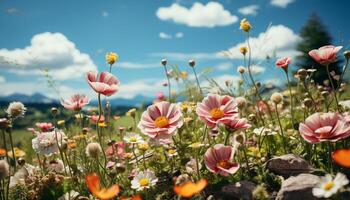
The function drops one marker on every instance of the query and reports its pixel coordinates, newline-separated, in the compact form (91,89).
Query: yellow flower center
(161,122)
(171,151)
(143,147)
(328,185)
(133,139)
(216,113)
(224,164)
(144,182)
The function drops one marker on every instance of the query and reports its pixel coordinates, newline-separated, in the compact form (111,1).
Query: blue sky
(72,37)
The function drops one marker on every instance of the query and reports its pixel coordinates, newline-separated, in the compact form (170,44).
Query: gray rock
(288,165)
(298,187)
(242,190)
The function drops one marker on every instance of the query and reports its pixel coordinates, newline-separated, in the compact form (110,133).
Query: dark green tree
(314,35)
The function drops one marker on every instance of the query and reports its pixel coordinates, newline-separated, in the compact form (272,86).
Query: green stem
(169,86)
(98,128)
(282,132)
(291,99)
(13,151)
(198,85)
(333,88)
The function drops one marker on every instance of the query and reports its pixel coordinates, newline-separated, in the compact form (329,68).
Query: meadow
(212,142)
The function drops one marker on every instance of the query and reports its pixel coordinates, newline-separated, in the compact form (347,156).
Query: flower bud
(241,69)
(347,54)
(302,74)
(307,102)
(241,102)
(192,63)
(243,50)
(276,97)
(325,94)
(245,25)
(93,150)
(164,62)
(54,111)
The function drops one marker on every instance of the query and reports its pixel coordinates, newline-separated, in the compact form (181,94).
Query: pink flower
(217,159)
(44,127)
(161,120)
(236,123)
(94,118)
(283,62)
(325,55)
(324,127)
(160,96)
(216,109)
(75,103)
(105,84)
(116,150)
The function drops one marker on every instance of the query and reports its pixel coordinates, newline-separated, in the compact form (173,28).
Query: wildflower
(325,55)
(72,144)
(4,123)
(191,166)
(131,112)
(241,69)
(276,97)
(164,61)
(4,169)
(111,58)
(283,63)
(245,25)
(133,138)
(329,186)
(93,183)
(183,74)
(93,150)
(55,165)
(18,153)
(217,159)
(144,180)
(161,120)
(243,50)
(61,122)
(171,152)
(75,103)
(189,188)
(346,54)
(117,149)
(342,157)
(46,144)
(196,145)
(160,96)
(236,124)
(105,83)
(321,127)
(54,111)
(2,152)
(16,109)
(143,146)
(135,197)
(264,131)
(241,102)
(215,109)
(44,126)
(102,124)
(94,118)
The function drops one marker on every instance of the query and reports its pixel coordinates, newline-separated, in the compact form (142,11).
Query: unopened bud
(192,63)
(164,62)
(347,54)
(307,102)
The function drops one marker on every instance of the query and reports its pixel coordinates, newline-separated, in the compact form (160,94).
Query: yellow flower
(111,58)
(243,50)
(197,145)
(60,122)
(184,74)
(102,124)
(143,146)
(245,25)
(18,153)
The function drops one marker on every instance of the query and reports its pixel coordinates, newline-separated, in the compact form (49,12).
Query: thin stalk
(169,86)
(13,151)
(333,88)
(197,164)
(5,146)
(98,128)
(133,151)
(198,85)
(282,132)
(291,99)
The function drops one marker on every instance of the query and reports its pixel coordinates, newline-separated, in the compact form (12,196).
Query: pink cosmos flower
(75,103)
(325,55)
(44,127)
(105,84)
(217,159)
(216,109)
(161,120)
(94,118)
(283,62)
(236,123)
(324,127)
(116,150)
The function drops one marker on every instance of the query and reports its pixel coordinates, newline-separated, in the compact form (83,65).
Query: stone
(288,165)
(298,187)
(242,190)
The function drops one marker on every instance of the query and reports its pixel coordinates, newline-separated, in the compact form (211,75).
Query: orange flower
(136,197)
(93,183)
(2,152)
(342,157)
(189,189)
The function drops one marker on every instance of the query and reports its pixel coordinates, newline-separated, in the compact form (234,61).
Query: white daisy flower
(16,109)
(133,138)
(328,187)
(45,143)
(144,180)
(264,131)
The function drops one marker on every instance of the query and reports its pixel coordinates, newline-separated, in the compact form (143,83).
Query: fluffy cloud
(278,40)
(224,66)
(281,3)
(178,56)
(47,50)
(257,69)
(179,35)
(249,10)
(164,35)
(199,15)
(135,65)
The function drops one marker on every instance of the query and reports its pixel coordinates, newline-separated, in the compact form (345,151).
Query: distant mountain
(40,98)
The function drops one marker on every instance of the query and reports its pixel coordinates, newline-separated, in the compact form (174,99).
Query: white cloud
(164,35)
(2,79)
(105,14)
(135,65)
(179,35)
(249,10)
(178,56)
(48,50)
(220,80)
(257,69)
(12,10)
(224,66)
(145,87)
(199,15)
(281,3)
(278,40)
